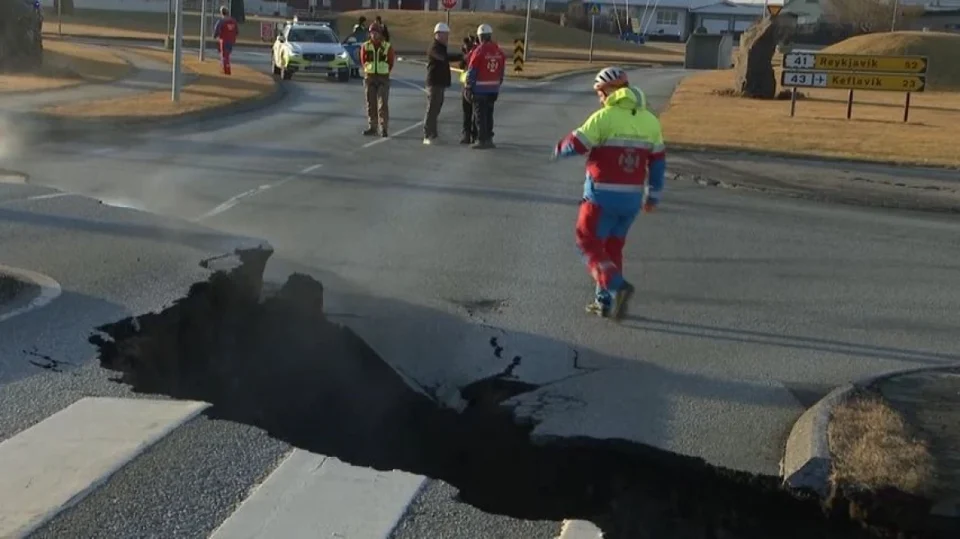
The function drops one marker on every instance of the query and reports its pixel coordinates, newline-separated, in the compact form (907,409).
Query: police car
(310,48)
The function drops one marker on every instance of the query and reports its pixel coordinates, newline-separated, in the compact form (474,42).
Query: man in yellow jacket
(377,58)
(626,164)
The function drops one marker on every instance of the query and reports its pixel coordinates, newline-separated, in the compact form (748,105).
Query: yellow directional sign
(773,10)
(890,83)
(855,62)
(518,47)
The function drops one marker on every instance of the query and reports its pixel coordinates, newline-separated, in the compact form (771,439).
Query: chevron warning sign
(518,48)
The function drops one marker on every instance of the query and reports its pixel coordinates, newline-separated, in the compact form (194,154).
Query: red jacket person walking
(226,31)
(626,163)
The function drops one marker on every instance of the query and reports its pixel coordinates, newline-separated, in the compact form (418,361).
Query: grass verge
(67,64)
(209,90)
(699,115)
(873,448)
(413,30)
(137,25)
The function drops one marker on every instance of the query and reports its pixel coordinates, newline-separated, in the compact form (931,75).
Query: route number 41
(799,61)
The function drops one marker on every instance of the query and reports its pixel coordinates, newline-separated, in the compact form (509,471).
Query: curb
(49,290)
(60,129)
(545,78)
(807,461)
(729,151)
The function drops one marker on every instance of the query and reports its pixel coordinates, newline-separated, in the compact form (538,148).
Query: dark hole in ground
(278,364)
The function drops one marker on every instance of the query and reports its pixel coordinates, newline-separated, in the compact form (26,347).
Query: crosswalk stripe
(579,529)
(57,462)
(310,496)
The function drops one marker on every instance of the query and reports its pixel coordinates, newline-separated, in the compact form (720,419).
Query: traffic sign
(853,81)
(864,63)
(592,9)
(518,49)
(773,10)
(449,4)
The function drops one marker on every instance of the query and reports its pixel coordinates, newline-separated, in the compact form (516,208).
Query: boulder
(21,41)
(753,66)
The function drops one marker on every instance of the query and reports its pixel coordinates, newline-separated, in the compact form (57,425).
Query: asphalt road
(748,306)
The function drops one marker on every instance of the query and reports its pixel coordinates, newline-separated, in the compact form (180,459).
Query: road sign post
(807,69)
(203,29)
(448,5)
(177,51)
(526,32)
(593,10)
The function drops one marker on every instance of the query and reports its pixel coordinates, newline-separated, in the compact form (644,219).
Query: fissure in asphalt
(280,365)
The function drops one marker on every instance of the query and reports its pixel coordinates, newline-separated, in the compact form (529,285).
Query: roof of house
(726,7)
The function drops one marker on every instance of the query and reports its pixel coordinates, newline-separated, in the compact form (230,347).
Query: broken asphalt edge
(807,459)
(54,128)
(46,289)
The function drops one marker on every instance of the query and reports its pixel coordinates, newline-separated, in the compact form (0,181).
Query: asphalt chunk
(279,364)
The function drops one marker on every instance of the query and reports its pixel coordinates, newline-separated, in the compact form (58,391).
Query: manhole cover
(11,176)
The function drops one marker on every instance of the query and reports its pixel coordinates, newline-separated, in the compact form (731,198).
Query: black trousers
(469,125)
(483,114)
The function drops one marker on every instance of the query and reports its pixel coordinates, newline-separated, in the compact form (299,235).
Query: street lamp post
(203,28)
(526,34)
(177,52)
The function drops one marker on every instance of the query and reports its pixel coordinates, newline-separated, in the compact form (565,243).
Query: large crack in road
(278,364)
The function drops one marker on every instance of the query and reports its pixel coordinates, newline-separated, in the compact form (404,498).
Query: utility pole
(177,52)
(166,41)
(526,34)
(203,28)
(896,9)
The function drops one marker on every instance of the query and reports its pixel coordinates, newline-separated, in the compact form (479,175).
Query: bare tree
(866,15)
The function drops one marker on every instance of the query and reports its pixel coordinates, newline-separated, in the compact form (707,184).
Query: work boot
(466,139)
(620,299)
(483,145)
(383,133)
(369,132)
(596,307)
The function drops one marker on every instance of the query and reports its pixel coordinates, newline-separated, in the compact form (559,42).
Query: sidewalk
(895,438)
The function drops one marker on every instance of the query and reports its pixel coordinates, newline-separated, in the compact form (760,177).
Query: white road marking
(310,496)
(102,151)
(234,200)
(57,462)
(49,291)
(49,195)
(402,131)
(411,84)
(579,529)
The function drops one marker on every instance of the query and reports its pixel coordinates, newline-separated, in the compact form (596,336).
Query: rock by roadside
(863,184)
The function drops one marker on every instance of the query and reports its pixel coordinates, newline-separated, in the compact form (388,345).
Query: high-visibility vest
(376,63)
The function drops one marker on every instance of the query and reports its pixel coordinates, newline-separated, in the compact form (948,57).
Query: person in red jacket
(226,31)
(485,70)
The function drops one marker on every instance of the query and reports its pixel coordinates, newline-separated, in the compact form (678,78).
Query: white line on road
(234,200)
(310,496)
(402,131)
(49,290)
(49,195)
(57,462)
(579,529)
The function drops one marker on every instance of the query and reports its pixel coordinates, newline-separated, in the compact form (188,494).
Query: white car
(310,48)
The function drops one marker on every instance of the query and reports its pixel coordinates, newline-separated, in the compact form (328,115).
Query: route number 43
(798,79)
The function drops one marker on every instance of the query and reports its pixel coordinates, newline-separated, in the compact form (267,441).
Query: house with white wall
(677,19)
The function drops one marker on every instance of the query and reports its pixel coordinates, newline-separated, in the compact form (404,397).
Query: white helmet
(610,76)
(484,30)
(441,27)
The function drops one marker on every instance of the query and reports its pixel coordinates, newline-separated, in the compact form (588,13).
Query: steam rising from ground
(10,139)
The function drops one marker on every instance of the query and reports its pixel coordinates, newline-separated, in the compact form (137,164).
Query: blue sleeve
(658,172)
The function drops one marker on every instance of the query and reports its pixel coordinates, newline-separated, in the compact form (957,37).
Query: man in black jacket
(469,133)
(438,80)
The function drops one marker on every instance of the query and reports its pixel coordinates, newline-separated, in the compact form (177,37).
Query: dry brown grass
(942,49)
(697,116)
(133,25)
(211,89)
(873,447)
(65,65)
(414,30)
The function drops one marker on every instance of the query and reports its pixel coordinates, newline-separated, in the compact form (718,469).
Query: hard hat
(484,29)
(610,77)
(441,27)
(374,28)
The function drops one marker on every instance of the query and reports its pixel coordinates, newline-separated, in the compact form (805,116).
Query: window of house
(668,18)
